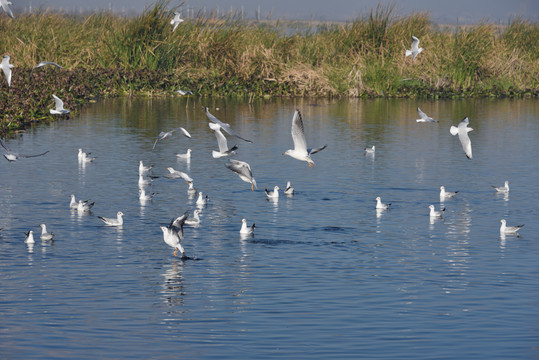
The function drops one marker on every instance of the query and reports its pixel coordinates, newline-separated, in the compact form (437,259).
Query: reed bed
(109,55)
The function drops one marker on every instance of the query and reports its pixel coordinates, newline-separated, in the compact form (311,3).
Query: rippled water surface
(325,275)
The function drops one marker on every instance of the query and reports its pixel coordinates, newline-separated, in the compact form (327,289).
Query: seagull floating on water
(504,229)
(415,50)
(247,230)
(502,189)
(300,151)
(143,169)
(435,213)
(380,205)
(226,127)
(289,190)
(446,194)
(370,150)
(144,196)
(191,189)
(165,135)
(202,200)
(59,107)
(142,181)
(5,6)
(6,67)
(29,239)
(84,206)
(462,130)
(84,158)
(173,234)
(13,156)
(243,170)
(424,117)
(195,220)
(43,63)
(221,142)
(272,194)
(118,221)
(176,20)
(45,236)
(186,156)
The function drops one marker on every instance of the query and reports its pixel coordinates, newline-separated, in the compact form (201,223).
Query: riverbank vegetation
(104,54)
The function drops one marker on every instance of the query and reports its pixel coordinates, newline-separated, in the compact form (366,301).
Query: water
(324,276)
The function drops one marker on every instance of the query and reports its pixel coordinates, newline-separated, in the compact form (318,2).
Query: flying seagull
(173,234)
(59,107)
(424,117)
(43,63)
(13,156)
(165,134)
(6,67)
(243,170)
(415,48)
(221,142)
(176,20)
(5,6)
(300,151)
(224,126)
(462,130)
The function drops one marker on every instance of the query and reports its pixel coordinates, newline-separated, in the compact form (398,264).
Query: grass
(109,55)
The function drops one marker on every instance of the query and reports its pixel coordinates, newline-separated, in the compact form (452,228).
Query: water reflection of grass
(227,56)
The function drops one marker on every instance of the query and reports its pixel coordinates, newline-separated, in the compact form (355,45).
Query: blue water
(325,275)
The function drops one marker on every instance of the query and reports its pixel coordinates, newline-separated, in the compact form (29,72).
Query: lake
(325,275)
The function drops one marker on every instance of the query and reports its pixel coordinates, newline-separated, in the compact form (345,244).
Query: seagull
(509,229)
(446,194)
(415,48)
(462,130)
(176,174)
(5,65)
(370,150)
(84,206)
(84,158)
(224,126)
(143,196)
(176,20)
(184,92)
(300,151)
(272,194)
(173,234)
(502,189)
(43,63)
(5,5)
(165,134)
(243,170)
(112,221)
(142,181)
(424,117)
(202,200)
(45,236)
(59,110)
(143,169)
(289,190)
(221,142)
(380,205)
(186,156)
(195,220)
(74,204)
(191,190)
(13,156)
(434,213)
(247,230)
(29,239)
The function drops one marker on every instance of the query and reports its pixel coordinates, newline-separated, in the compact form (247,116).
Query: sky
(441,11)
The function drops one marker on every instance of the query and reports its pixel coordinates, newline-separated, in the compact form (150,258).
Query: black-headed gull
(300,151)
(504,229)
(380,205)
(288,190)
(191,190)
(84,158)
(186,156)
(13,156)
(502,189)
(59,107)
(176,174)
(226,127)
(247,230)
(370,150)
(166,134)
(415,50)
(462,130)
(29,237)
(272,194)
(43,63)
(6,68)
(221,142)
(142,169)
(5,6)
(118,221)
(173,234)
(446,194)
(144,196)
(176,20)
(184,92)
(202,200)
(195,220)
(243,170)
(424,117)
(435,213)
(45,236)
(84,206)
